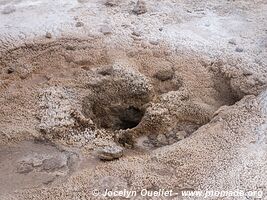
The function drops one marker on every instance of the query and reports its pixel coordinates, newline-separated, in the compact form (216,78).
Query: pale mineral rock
(140,7)
(110,152)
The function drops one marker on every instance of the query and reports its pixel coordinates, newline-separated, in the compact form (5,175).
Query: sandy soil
(180,86)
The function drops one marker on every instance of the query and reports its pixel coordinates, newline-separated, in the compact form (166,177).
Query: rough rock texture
(140,7)
(108,153)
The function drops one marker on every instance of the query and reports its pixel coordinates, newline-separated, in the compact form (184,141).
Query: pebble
(247,72)
(10,70)
(154,42)
(105,71)
(180,135)
(162,139)
(189,11)
(136,33)
(108,153)
(112,3)
(71,48)
(232,41)
(239,50)
(48,35)
(79,24)
(105,30)
(140,7)
(8,9)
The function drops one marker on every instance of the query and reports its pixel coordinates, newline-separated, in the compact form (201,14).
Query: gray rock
(154,42)
(105,71)
(8,9)
(239,50)
(79,24)
(136,33)
(180,135)
(140,7)
(246,72)
(48,35)
(162,139)
(112,3)
(232,41)
(105,30)
(109,153)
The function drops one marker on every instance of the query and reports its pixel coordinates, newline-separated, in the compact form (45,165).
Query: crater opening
(117,117)
(129,118)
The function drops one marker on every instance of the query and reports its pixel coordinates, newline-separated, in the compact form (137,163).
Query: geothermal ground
(99,97)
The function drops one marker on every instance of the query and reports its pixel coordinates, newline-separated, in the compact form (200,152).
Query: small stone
(207,24)
(162,139)
(167,53)
(154,42)
(8,9)
(189,11)
(232,41)
(140,7)
(164,74)
(247,72)
(49,180)
(24,168)
(160,29)
(105,30)
(109,153)
(136,33)
(105,71)
(180,135)
(112,3)
(10,70)
(238,49)
(79,24)
(48,35)
(71,48)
